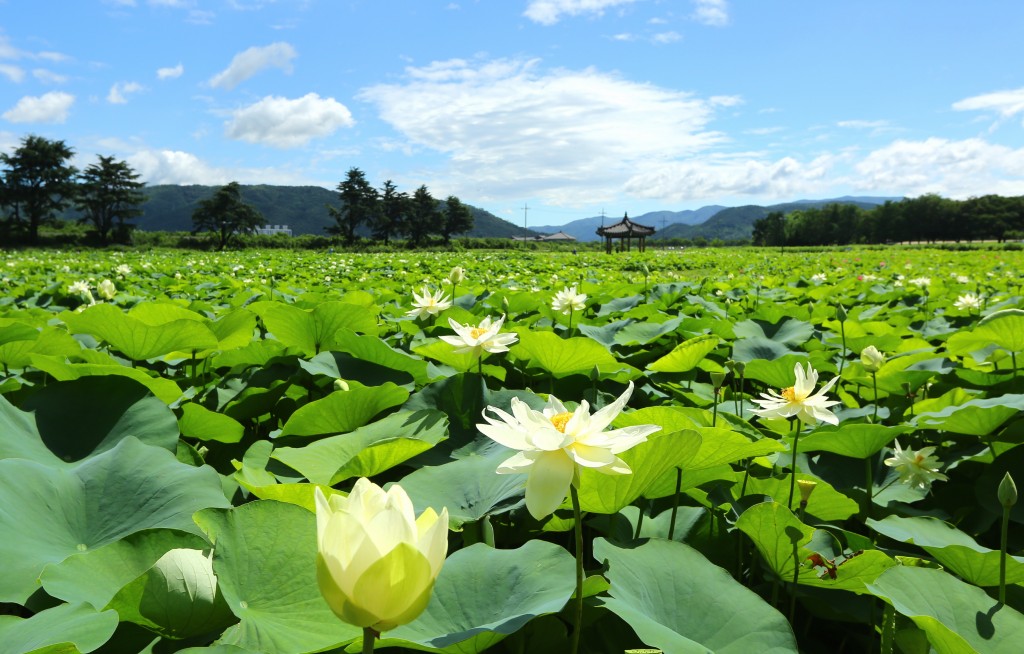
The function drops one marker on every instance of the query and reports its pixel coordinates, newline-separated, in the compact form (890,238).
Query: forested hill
(302,208)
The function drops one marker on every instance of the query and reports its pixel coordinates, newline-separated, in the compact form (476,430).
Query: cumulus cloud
(549,12)
(170,72)
(569,135)
(120,90)
(285,123)
(667,37)
(956,169)
(1005,103)
(250,62)
(711,12)
(157,166)
(52,107)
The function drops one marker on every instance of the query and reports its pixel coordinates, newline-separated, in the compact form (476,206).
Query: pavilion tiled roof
(625,227)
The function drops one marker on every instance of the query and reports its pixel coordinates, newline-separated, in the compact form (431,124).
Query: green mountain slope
(737,223)
(302,208)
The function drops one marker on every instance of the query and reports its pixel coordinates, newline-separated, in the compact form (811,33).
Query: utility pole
(526,207)
(602,216)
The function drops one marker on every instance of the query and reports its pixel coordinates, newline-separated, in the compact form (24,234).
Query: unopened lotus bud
(1007,492)
(340,385)
(840,313)
(457,275)
(806,488)
(872,359)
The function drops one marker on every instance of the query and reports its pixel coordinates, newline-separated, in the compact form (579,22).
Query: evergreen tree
(457,219)
(109,193)
(770,230)
(423,217)
(226,214)
(390,220)
(359,206)
(37,183)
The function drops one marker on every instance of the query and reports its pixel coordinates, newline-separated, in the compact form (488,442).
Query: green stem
(792,468)
(842,332)
(675,503)
(874,386)
(570,321)
(714,410)
(888,629)
(578,516)
(869,474)
(639,518)
(1002,554)
(369,635)
(796,578)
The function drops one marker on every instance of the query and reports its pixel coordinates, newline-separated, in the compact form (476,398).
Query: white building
(275,229)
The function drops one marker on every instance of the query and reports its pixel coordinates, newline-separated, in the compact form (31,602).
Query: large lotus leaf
(632,332)
(313,331)
(852,439)
(723,445)
(265,559)
(777,373)
(368,450)
(759,347)
(136,339)
(826,503)
(952,548)
(686,355)
(63,628)
(789,331)
(678,601)
(85,417)
(979,417)
(483,595)
(470,487)
(669,418)
(96,575)
(601,493)
(957,617)
(200,423)
(605,334)
(52,513)
(256,353)
(159,313)
(343,411)
(445,353)
(1004,329)
(17,341)
(563,357)
(233,330)
(774,530)
(374,350)
(178,597)
(340,365)
(165,389)
(619,304)
(854,574)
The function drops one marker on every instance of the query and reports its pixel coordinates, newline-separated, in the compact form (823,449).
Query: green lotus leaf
(63,628)
(256,353)
(619,305)
(952,548)
(601,493)
(165,389)
(669,418)
(561,357)
(788,331)
(470,487)
(774,530)
(341,365)
(777,373)
(977,417)
(760,348)
(178,597)
(200,423)
(630,332)
(826,502)
(723,445)
(374,350)
(96,576)
(445,353)
(852,439)
(52,513)
(690,604)
(159,313)
(265,561)
(483,595)
(136,339)
(368,450)
(956,617)
(1004,329)
(854,574)
(343,411)
(686,355)
(312,332)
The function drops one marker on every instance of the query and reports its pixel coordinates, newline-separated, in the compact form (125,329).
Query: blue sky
(569,107)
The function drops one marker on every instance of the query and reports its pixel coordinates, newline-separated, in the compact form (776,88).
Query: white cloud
(12,72)
(955,169)
(285,123)
(863,124)
(48,76)
(179,167)
(52,107)
(567,135)
(246,64)
(1005,103)
(667,37)
(120,90)
(549,12)
(711,12)
(170,72)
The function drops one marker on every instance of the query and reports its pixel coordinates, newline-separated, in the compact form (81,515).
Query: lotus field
(726,451)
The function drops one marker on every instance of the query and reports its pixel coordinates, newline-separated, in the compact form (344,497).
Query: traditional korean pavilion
(625,230)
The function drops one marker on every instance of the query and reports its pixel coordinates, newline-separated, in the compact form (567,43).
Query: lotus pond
(166,416)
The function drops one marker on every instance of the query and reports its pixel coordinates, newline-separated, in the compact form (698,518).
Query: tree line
(928,218)
(38,184)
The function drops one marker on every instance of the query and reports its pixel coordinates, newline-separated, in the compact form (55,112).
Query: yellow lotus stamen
(560,420)
(476,332)
(789,394)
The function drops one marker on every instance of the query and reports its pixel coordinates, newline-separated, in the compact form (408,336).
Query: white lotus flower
(797,401)
(107,289)
(919,469)
(819,277)
(376,562)
(428,304)
(81,289)
(568,300)
(483,338)
(920,281)
(968,302)
(872,359)
(555,443)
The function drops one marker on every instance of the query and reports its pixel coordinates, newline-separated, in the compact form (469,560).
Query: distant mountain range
(304,210)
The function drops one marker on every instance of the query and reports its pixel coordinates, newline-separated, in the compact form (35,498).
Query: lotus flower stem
(874,388)
(1007,495)
(368,637)
(869,485)
(578,528)
(792,467)
(639,518)
(796,578)
(675,503)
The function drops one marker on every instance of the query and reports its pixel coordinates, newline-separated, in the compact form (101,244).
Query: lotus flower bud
(340,385)
(872,359)
(806,488)
(376,562)
(106,289)
(457,275)
(840,313)
(1007,492)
